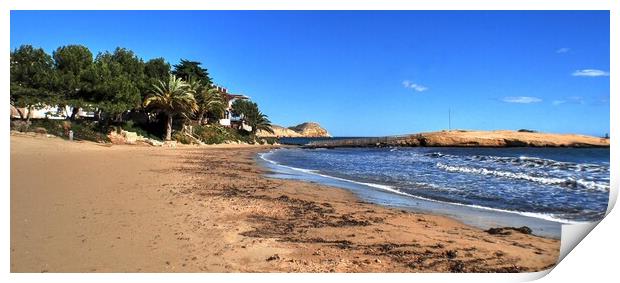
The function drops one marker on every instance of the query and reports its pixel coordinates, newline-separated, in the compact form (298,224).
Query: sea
(541,188)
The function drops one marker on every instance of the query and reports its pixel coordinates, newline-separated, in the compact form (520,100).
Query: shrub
(213,134)
(526,131)
(269,141)
(130,126)
(88,131)
(216,134)
(19,125)
(52,127)
(182,138)
(40,130)
(82,129)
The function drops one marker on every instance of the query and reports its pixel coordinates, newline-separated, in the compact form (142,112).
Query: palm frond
(173,96)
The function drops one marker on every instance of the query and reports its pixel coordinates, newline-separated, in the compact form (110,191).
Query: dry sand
(84,207)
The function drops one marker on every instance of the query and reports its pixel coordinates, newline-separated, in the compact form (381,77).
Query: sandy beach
(86,207)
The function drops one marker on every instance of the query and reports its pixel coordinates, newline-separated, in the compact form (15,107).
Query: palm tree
(210,101)
(174,97)
(252,116)
(259,121)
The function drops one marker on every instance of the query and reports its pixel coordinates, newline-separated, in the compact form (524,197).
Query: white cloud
(570,99)
(558,102)
(590,73)
(414,86)
(521,99)
(562,50)
(576,99)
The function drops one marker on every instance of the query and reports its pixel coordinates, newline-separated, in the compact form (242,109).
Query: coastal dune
(462,138)
(85,207)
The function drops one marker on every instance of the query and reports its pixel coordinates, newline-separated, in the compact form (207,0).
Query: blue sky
(369,73)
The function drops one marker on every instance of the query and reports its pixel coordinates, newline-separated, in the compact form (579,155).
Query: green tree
(251,115)
(241,107)
(258,121)
(131,66)
(73,63)
(117,80)
(192,71)
(156,70)
(172,97)
(32,79)
(211,101)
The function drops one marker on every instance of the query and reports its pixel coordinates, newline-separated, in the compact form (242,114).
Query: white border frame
(571,268)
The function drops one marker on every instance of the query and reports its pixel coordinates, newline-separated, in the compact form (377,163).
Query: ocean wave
(391,189)
(526,161)
(263,156)
(317,173)
(562,182)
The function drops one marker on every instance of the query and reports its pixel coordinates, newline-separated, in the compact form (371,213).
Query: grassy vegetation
(97,131)
(82,130)
(182,138)
(215,134)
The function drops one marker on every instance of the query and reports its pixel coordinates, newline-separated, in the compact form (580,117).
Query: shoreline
(475,216)
(212,209)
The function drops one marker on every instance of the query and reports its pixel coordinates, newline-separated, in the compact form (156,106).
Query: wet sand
(84,207)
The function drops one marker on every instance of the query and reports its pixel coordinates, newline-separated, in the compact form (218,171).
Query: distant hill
(307,130)
(310,130)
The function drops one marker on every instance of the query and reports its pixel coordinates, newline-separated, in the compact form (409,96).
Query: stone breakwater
(461,138)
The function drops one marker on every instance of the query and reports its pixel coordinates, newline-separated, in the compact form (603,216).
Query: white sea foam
(526,161)
(544,216)
(568,182)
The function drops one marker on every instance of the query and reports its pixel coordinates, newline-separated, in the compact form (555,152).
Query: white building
(229,119)
(49,112)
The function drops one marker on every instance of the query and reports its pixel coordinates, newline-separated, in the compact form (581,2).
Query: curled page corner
(613,195)
(572,235)
(540,274)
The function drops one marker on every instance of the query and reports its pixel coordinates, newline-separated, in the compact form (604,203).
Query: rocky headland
(462,138)
(305,130)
